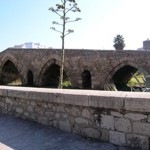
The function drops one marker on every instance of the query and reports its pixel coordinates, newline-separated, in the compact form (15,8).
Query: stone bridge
(83,68)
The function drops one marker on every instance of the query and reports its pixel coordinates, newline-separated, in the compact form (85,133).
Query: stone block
(54,108)
(56,97)
(137,104)
(107,122)
(106,101)
(45,106)
(17,93)
(92,133)
(2,104)
(75,111)
(49,106)
(123,125)
(117,138)
(135,117)
(80,120)
(148,118)
(141,128)
(42,120)
(3,92)
(86,113)
(27,115)
(50,114)
(64,116)
(19,110)
(104,135)
(30,108)
(57,115)
(33,103)
(138,141)
(60,108)
(39,112)
(38,96)
(65,125)
(76,99)
(78,129)
(116,114)
(9,101)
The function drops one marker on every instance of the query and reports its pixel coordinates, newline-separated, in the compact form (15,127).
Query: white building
(146,46)
(30,45)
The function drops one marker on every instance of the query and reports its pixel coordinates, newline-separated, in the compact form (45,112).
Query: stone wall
(120,118)
(101,64)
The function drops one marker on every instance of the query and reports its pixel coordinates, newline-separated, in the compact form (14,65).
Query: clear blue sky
(30,21)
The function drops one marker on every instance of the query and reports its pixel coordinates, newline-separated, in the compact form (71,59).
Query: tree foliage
(119,43)
(62,10)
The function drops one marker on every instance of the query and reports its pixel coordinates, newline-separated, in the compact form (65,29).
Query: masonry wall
(120,118)
(102,64)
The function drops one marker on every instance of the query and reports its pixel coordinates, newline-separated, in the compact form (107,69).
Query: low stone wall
(120,118)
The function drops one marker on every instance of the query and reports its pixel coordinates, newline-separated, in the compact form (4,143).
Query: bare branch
(54,10)
(59,10)
(59,6)
(77,19)
(70,9)
(57,23)
(77,9)
(68,32)
(56,30)
(71,31)
(71,1)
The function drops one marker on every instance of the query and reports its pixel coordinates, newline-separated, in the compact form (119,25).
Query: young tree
(62,10)
(119,42)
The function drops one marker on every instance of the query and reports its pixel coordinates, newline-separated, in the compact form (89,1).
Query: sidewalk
(17,134)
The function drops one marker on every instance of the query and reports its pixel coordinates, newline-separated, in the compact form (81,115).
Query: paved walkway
(17,134)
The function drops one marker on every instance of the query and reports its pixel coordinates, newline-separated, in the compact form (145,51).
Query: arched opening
(86,80)
(30,78)
(50,77)
(122,76)
(10,74)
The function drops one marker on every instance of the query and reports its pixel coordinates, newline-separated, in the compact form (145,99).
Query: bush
(66,84)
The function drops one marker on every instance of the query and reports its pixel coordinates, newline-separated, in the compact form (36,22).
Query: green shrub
(66,84)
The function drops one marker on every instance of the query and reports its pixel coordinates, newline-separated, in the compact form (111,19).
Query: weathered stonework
(123,125)
(107,122)
(117,138)
(69,111)
(32,64)
(141,128)
(134,140)
(135,117)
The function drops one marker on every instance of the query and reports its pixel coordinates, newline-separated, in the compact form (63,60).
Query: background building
(146,46)
(30,45)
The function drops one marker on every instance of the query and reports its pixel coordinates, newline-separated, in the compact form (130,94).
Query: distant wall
(120,118)
(101,65)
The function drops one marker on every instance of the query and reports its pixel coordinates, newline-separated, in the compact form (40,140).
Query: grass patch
(133,81)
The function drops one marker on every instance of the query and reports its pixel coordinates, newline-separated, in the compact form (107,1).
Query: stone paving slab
(18,134)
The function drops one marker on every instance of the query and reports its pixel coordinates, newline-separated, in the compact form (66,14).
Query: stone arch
(50,73)
(11,58)
(10,74)
(122,74)
(119,66)
(33,70)
(86,79)
(30,78)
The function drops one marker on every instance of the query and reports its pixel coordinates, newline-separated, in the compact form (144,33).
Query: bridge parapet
(121,118)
